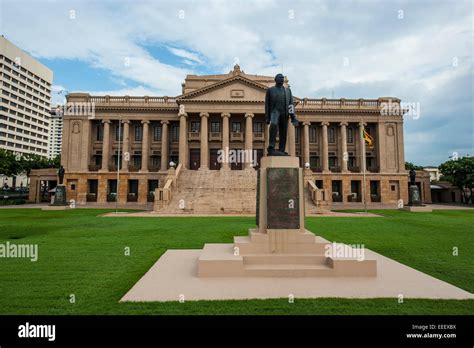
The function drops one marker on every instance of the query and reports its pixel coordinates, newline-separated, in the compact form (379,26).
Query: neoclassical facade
(226,112)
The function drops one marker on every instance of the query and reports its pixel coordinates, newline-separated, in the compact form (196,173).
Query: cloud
(353,49)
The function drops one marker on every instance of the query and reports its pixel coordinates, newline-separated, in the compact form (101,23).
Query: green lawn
(82,254)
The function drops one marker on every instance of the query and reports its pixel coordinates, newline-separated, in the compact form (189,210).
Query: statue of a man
(61,172)
(278,107)
(412,177)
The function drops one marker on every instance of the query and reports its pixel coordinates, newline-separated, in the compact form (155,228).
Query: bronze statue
(61,172)
(278,107)
(412,177)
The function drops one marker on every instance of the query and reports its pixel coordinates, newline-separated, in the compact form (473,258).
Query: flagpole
(118,164)
(363,166)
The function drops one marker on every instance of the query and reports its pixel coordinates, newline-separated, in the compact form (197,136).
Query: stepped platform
(304,255)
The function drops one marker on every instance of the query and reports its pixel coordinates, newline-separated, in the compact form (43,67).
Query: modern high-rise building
(55,132)
(25,101)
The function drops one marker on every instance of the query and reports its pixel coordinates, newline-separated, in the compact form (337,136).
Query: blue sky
(419,51)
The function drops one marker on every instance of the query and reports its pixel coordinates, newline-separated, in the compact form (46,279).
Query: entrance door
(259,158)
(236,161)
(215,164)
(394,194)
(194,159)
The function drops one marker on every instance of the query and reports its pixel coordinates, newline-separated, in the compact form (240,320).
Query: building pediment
(235,89)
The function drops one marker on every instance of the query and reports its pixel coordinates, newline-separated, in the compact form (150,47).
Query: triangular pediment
(236,88)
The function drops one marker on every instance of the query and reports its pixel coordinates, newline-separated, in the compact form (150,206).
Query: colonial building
(226,112)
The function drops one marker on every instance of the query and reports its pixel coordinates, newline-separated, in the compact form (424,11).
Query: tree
(9,164)
(460,173)
(410,166)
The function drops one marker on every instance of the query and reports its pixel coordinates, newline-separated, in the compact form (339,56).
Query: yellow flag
(369,140)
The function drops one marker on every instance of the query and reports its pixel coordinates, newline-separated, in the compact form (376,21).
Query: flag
(369,140)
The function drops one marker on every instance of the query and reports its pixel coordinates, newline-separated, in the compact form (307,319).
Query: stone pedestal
(280,246)
(60,196)
(414,196)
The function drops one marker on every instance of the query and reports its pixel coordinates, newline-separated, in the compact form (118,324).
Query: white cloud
(411,58)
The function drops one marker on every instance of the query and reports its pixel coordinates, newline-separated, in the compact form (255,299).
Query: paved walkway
(175,275)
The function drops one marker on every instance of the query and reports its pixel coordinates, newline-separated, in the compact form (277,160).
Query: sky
(419,51)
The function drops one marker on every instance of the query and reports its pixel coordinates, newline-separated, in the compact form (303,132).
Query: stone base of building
(418,208)
(55,207)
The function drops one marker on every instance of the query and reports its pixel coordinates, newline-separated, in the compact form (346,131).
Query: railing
(259,136)
(335,169)
(317,169)
(153,168)
(354,169)
(354,197)
(133,168)
(132,197)
(324,103)
(91,197)
(215,136)
(336,197)
(375,198)
(94,167)
(318,196)
(236,136)
(114,100)
(163,194)
(194,136)
(373,169)
(111,197)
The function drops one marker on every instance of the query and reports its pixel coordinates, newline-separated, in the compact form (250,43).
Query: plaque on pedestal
(414,196)
(60,196)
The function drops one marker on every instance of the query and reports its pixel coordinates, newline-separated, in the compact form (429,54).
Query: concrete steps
(282,259)
(288,270)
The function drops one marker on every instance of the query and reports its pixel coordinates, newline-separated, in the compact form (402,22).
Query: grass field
(82,254)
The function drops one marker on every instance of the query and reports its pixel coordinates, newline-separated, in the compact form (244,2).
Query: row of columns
(225,139)
(325,145)
(125,148)
(183,145)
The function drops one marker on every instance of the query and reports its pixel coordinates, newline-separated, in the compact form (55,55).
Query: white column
(164,145)
(248,139)
(306,142)
(105,146)
(126,146)
(225,140)
(183,140)
(145,146)
(290,144)
(204,141)
(344,155)
(361,146)
(325,147)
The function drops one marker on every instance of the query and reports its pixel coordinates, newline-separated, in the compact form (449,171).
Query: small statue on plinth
(61,172)
(60,191)
(414,194)
(278,107)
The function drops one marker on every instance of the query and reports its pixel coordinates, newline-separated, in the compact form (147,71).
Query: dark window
(332,161)
(117,133)
(156,161)
(195,126)
(100,132)
(137,161)
(313,162)
(215,127)
(138,132)
(258,127)
(350,135)
(332,135)
(236,127)
(312,134)
(157,133)
(175,133)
